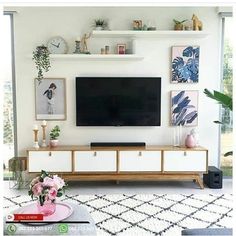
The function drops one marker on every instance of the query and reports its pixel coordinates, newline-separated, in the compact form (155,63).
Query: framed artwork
(137,25)
(121,48)
(185,64)
(184,108)
(50,99)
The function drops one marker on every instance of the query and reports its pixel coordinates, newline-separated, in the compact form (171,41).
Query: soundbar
(117,144)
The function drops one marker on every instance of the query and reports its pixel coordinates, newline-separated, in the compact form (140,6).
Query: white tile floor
(161,187)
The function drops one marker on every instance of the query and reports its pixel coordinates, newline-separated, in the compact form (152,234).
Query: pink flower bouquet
(47,187)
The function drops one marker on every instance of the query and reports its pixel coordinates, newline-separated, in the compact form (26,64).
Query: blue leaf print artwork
(185,64)
(184,108)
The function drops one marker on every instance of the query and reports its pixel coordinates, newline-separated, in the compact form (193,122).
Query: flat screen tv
(118,101)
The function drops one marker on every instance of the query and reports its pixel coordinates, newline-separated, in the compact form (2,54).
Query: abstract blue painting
(184,108)
(185,64)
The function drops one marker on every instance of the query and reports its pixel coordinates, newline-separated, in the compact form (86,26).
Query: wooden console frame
(133,176)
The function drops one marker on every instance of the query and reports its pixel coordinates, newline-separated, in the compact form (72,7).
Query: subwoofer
(213,179)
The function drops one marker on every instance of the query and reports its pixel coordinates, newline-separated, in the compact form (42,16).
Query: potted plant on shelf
(179,24)
(46,188)
(54,134)
(100,24)
(42,61)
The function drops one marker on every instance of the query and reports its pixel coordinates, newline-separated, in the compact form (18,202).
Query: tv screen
(118,101)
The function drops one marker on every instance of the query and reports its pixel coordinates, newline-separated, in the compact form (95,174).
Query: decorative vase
(190,142)
(54,143)
(99,28)
(195,135)
(179,27)
(48,207)
(177,136)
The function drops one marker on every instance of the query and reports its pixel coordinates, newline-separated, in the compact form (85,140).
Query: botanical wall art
(50,99)
(185,64)
(184,108)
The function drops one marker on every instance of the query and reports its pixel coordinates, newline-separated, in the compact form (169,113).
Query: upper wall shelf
(148,34)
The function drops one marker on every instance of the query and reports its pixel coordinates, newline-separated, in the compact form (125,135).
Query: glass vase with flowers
(46,188)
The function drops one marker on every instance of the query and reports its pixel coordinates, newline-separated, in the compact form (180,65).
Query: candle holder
(77,47)
(44,135)
(36,144)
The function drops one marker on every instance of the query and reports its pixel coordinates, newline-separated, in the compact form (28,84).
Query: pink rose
(52,193)
(37,189)
(59,182)
(48,182)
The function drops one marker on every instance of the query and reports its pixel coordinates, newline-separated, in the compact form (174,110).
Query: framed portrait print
(137,25)
(50,99)
(121,48)
(184,108)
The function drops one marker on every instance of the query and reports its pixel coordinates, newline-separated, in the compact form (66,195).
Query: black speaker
(213,179)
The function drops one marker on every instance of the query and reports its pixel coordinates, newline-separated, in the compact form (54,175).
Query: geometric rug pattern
(148,214)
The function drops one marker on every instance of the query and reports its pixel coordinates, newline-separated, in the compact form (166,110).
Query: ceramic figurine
(195,134)
(197,24)
(84,45)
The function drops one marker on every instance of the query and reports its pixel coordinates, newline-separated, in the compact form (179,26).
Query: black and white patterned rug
(151,214)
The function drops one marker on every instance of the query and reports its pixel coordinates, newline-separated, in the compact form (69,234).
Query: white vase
(54,143)
(99,28)
(195,135)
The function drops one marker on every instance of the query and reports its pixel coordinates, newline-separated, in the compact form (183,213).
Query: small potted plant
(99,24)
(46,188)
(54,134)
(179,24)
(42,61)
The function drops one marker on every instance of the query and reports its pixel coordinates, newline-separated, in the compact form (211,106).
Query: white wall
(34,26)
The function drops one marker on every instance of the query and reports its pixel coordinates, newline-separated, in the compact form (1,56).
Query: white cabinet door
(92,161)
(53,161)
(185,161)
(140,161)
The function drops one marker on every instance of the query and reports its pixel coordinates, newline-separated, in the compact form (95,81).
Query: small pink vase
(190,141)
(47,209)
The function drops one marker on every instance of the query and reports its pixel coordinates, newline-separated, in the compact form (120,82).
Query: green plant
(55,133)
(16,166)
(224,100)
(100,23)
(179,22)
(42,60)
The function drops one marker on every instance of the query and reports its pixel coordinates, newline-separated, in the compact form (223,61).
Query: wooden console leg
(199,181)
(117,181)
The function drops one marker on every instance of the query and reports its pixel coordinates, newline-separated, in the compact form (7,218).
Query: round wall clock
(57,45)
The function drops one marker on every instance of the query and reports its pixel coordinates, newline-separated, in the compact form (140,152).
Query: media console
(121,162)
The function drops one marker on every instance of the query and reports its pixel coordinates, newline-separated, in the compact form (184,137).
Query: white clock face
(57,45)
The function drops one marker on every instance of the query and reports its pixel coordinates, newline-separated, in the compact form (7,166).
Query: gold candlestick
(36,144)
(44,135)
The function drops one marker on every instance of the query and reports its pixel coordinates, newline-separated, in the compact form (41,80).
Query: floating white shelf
(149,34)
(109,57)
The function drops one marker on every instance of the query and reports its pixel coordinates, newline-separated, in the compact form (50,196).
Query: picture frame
(184,108)
(121,48)
(50,99)
(185,64)
(137,24)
